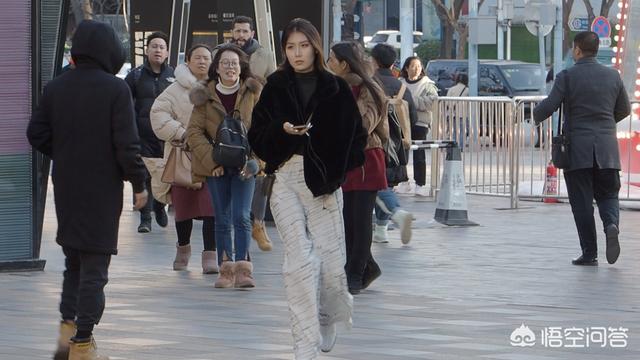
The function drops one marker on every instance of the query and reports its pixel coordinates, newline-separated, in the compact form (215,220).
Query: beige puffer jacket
(170,116)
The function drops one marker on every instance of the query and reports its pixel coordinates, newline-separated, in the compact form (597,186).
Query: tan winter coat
(207,115)
(372,120)
(261,63)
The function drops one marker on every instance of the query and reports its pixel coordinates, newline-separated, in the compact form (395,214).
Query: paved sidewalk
(453,293)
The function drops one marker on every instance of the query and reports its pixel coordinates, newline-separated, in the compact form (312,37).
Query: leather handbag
(560,144)
(177,170)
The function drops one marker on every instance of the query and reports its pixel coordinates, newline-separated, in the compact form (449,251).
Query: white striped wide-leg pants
(312,230)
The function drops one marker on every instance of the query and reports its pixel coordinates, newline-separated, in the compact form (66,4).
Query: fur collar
(202,93)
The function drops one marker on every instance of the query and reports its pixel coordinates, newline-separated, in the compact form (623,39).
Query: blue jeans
(232,201)
(386,204)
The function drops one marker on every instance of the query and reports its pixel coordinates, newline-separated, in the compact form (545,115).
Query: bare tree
(450,19)
(605,7)
(567,5)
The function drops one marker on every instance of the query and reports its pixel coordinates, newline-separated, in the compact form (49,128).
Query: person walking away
(346,60)
(387,203)
(230,89)
(308,130)
(170,115)
(85,124)
(424,93)
(594,99)
(146,82)
(261,63)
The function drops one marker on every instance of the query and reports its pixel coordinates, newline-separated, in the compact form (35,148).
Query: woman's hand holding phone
(291,129)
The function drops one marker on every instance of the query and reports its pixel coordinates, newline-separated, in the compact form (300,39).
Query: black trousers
(584,185)
(357,212)
(83,285)
(419,156)
(152,204)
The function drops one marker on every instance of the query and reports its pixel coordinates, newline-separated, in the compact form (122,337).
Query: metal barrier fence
(504,154)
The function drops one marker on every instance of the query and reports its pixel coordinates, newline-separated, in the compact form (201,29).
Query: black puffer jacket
(145,87)
(85,123)
(335,143)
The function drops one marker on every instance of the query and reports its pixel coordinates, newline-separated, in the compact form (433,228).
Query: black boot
(161,215)
(145,224)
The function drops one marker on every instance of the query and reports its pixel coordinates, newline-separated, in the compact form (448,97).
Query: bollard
(451,206)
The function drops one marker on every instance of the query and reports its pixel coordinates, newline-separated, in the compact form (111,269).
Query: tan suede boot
(209,262)
(244,275)
(85,351)
(67,330)
(226,277)
(183,253)
(259,234)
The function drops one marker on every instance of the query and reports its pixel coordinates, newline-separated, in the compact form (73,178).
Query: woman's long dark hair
(304,27)
(352,53)
(404,73)
(245,71)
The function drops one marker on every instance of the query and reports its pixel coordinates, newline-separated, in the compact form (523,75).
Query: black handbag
(560,144)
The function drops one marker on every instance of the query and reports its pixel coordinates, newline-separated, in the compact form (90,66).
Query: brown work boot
(183,253)
(226,277)
(67,330)
(209,262)
(244,275)
(85,351)
(259,234)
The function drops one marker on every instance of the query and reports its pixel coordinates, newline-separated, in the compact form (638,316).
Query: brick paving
(452,293)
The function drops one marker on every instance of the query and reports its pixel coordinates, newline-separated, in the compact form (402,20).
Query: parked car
(495,77)
(393,38)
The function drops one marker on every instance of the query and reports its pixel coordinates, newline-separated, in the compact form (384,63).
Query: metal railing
(505,154)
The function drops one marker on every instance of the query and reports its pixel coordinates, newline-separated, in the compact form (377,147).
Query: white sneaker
(422,190)
(380,234)
(404,188)
(404,220)
(329,336)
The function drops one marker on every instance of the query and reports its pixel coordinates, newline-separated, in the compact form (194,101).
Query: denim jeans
(231,197)
(386,205)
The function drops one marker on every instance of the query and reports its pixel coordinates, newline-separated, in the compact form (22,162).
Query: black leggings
(357,212)
(208,232)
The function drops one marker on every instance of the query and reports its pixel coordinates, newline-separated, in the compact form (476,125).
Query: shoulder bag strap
(400,94)
(563,124)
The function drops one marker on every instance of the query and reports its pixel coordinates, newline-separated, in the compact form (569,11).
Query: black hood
(98,43)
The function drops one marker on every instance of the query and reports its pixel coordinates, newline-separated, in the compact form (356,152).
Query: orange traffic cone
(551,184)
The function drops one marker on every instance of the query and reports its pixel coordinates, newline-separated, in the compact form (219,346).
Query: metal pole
(337,21)
(473,54)
(558,64)
(543,61)
(500,31)
(509,40)
(406,29)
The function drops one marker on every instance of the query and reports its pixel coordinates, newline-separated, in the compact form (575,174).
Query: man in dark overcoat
(595,100)
(147,82)
(85,123)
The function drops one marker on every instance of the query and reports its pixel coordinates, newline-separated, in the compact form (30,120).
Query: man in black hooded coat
(85,123)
